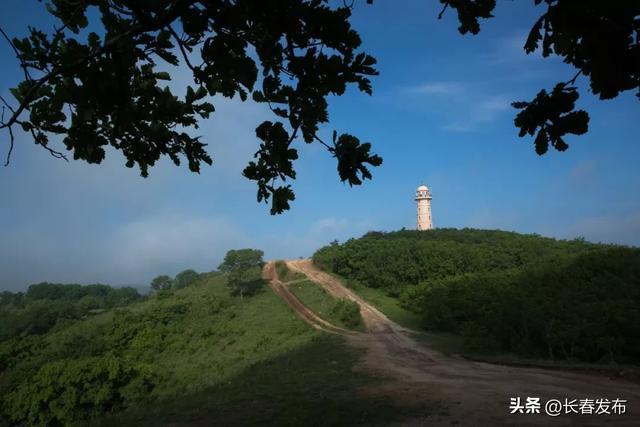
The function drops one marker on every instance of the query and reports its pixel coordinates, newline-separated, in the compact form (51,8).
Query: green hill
(194,355)
(202,355)
(504,292)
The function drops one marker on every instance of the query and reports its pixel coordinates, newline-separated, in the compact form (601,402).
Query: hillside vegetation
(340,312)
(502,291)
(285,274)
(47,305)
(192,355)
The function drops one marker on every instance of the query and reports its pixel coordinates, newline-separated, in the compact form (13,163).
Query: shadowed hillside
(195,356)
(502,291)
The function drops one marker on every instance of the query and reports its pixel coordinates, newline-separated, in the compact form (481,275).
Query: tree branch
(573,80)
(323,143)
(441,14)
(182,49)
(108,44)
(54,153)
(25,70)
(11,141)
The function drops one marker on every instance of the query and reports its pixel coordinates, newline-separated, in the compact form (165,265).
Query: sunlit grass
(216,359)
(325,305)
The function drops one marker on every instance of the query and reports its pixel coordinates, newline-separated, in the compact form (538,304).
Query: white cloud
(492,106)
(168,244)
(436,88)
(466,107)
(482,111)
(317,234)
(510,49)
(75,222)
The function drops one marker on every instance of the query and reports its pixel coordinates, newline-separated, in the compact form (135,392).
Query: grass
(311,385)
(286,275)
(267,368)
(216,360)
(326,306)
(388,305)
(453,344)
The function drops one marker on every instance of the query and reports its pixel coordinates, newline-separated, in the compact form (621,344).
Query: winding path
(471,393)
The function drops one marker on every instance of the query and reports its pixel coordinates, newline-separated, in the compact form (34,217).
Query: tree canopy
(243,269)
(185,278)
(503,291)
(161,282)
(99,79)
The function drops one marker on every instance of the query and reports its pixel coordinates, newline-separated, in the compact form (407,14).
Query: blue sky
(439,115)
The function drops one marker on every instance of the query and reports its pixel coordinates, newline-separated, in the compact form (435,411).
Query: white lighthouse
(423,197)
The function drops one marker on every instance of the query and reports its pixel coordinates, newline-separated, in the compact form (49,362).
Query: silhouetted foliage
(596,37)
(505,291)
(102,88)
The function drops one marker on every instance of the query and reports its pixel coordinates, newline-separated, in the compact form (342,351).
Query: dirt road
(472,393)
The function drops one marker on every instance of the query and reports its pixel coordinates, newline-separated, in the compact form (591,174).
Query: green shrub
(177,343)
(48,305)
(72,391)
(576,308)
(285,274)
(185,278)
(348,312)
(477,339)
(503,291)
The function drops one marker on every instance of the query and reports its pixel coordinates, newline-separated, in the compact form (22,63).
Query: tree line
(502,291)
(69,354)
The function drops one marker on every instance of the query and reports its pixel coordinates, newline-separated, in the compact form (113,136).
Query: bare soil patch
(470,393)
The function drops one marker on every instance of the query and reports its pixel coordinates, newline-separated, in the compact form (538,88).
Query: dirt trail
(282,290)
(473,393)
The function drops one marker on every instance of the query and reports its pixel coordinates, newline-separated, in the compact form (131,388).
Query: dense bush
(393,260)
(47,304)
(68,392)
(348,312)
(173,344)
(287,275)
(585,307)
(185,278)
(505,291)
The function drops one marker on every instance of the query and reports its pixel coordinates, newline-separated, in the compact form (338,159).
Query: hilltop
(298,347)
(502,291)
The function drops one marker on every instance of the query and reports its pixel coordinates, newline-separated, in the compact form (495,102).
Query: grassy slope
(388,305)
(318,300)
(219,361)
(417,267)
(452,344)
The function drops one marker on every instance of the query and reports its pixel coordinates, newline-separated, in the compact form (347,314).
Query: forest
(62,348)
(502,291)
(45,305)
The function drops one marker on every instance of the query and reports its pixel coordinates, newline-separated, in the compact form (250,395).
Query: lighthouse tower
(423,197)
